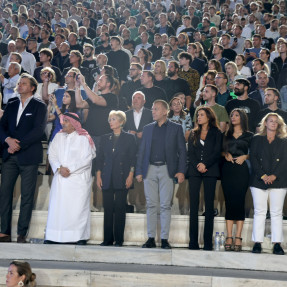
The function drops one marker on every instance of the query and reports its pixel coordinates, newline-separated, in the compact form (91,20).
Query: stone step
(97,274)
(136,226)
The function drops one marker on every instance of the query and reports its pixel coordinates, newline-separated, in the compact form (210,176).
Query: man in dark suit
(21,129)
(161,160)
(137,118)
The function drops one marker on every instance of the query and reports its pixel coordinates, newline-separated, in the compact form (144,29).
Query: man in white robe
(70,155)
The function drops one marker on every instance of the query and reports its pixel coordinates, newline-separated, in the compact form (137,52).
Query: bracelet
(263,176)
(132,169)
(59,114)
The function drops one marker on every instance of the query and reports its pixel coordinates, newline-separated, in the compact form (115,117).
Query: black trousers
(114,214)
(10,172)
(194,191)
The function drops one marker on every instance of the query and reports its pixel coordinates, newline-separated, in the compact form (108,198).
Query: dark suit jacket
(175,149)
(29,130)
(145,119)
(261,164)
(209,154)
(254,85)
(115,165)
(255,95)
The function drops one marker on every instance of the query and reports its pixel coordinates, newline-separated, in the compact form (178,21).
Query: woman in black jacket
(204,148)
(235,175)
(268,159)
(115,169)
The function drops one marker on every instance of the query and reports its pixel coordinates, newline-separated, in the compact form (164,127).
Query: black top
(264,112)
(152,94)
(230,54)
(250,106)
(157,153)
(101,49)
(238,146)
(120,60)
(128,89)
(76,47)
(92,64)
(37,73)
(97,120)
(156,52)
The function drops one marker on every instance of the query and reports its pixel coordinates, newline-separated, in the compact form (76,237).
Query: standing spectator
(83,39)
(204,148)
(45,35)
(217,55)
(73,42)
(117,153)
(268,180)
(21,137)
(235,175)
(161,158)
(144,43)
(62,59)
(156,47)
(105,47)
(281,61)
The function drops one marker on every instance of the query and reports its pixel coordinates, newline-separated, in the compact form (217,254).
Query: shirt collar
(27,100)
(141,110)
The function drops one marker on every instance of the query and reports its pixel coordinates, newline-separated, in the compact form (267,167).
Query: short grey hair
(139,92)
(16,66)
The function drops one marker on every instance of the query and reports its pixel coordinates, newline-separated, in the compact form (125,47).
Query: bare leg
(229,227)
(239,224)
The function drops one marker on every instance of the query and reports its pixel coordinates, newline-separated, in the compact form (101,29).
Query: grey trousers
(158,188)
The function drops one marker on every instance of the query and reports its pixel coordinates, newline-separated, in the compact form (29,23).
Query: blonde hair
(162,67)
(51,71)
(281,129)
(233,65)
(120,115)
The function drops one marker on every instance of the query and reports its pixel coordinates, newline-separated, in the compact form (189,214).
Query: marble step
(136,226)
(117,275)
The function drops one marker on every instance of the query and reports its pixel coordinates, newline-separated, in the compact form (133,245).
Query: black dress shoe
(257,248)
(6,238)
(118,244)
(21,239)
(82,242)
(207,248)
(193,246)
(106,243)
(277,249)
(165,244)
(50,242)
(150,243)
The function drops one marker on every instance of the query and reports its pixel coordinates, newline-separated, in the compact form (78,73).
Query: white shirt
(28,62)
(137,117)
(270,34)
(22,108)
(9,85)
(140,46)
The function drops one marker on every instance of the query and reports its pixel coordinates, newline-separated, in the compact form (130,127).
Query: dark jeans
(10,172)
(114,214)
(194,191)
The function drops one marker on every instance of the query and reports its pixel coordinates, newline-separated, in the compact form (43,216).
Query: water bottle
(222,240)
(217,242)
(36,241)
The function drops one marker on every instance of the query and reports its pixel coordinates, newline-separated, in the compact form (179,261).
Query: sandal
(238,248)
(228,247)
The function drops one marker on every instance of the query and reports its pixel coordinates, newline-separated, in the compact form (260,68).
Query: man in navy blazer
(161,160)
(21,129)
(137,118)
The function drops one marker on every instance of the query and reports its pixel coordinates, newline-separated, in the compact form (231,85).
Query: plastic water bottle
(217,242)
(222,241)
(36,241)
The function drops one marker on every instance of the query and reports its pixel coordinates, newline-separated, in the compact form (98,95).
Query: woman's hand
(99,180)
(270,179)
(229,157)
(201,167)
(129,181)
(240,159)
(53,100)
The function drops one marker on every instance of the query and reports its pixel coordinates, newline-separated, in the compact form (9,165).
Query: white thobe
(69,207)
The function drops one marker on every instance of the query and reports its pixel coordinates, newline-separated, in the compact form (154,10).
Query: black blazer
(261,164)
(145,120)
(209,154)
(29,130)
(115,163)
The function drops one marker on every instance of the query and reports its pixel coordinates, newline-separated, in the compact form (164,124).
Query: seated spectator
(243,70)
(47,74)
(232,74)
(281,61)
(61,60)
(223,95)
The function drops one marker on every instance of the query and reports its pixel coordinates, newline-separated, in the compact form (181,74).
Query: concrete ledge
(135,255)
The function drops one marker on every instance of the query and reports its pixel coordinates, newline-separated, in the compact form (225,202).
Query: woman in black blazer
(268,180)
(115,169)
(204,150)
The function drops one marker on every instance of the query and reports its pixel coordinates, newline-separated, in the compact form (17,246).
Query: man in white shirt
(144,43)
(23,28)
(10,84)
(28,60)
(273,31)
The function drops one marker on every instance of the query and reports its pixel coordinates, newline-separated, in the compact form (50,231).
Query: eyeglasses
(219,77)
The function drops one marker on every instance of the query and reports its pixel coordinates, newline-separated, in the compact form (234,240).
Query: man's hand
(81,79)
(11,151)
(2,78)
(129,181)
(180,177)
(64,171)
(139,135)
(201,168)
(139,178)
(13,144)
(132,132)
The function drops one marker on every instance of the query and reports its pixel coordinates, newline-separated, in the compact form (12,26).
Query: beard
(170,74)
(238,92)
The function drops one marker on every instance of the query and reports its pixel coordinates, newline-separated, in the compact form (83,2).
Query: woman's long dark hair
(230,131)
(72,106)
(182,113)
(212,123)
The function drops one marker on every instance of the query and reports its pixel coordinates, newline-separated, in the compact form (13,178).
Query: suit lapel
(27,109)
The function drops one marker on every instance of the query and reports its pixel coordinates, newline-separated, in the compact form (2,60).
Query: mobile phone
(235,39)
(77,77)
(247,51)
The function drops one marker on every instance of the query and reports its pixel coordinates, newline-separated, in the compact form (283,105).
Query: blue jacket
(174,147)
(115,162)
(29,130)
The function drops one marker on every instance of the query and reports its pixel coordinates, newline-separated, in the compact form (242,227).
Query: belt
(158,163)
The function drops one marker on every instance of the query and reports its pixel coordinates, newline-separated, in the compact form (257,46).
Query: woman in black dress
(235,175)
(204,149)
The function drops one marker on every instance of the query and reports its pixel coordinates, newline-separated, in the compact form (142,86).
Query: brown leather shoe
(21,239)
(6,238)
